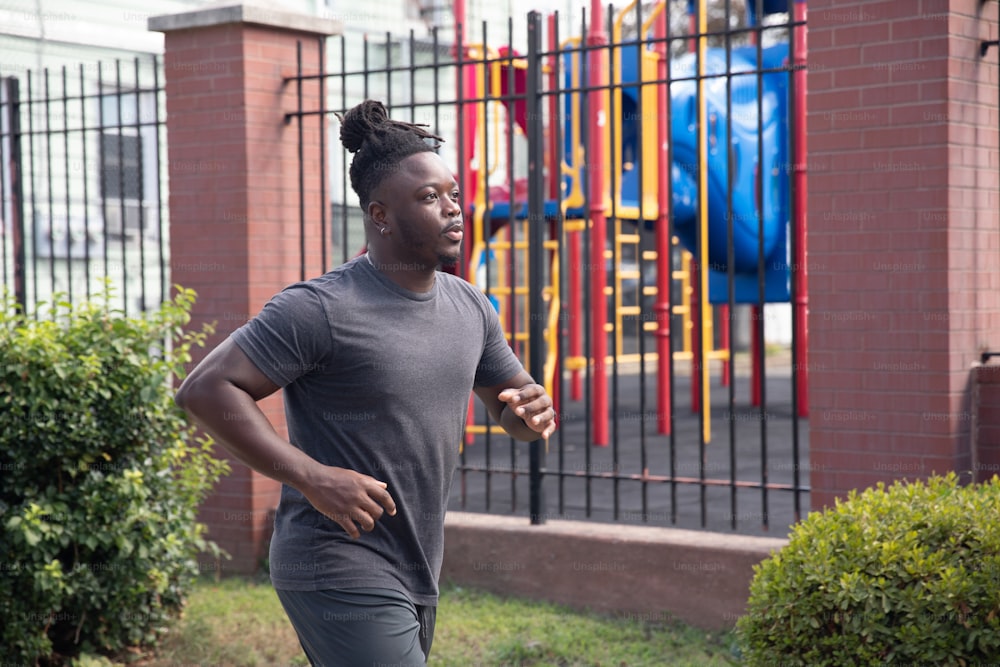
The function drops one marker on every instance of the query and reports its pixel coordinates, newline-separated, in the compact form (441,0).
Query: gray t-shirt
(376,379)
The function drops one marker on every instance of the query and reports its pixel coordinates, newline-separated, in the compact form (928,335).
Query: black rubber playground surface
(587,489)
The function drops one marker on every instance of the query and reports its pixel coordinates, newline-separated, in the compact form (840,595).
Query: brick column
(904,235)
(234,200)
(986,422)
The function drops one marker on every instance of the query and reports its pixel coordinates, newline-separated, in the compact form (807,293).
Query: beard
(423,246)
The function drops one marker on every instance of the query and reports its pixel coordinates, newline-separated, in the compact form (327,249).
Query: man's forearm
(234,419)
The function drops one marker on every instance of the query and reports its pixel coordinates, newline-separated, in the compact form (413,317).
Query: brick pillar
(234,200)
(986,429)
(904,235)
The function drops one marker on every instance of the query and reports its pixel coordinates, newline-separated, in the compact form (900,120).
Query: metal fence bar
(16,178)
(731,274)
(759,324)
(62,241)
(796,33)
(537,228)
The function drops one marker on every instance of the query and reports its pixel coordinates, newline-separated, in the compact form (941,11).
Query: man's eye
(455,195)
(431,195)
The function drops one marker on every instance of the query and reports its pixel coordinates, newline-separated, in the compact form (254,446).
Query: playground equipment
(722,175)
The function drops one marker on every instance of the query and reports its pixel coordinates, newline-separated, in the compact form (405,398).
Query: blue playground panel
(749,232)
(759,229)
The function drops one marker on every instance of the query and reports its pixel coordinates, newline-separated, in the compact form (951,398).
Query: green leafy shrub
(908,574)
(100,478)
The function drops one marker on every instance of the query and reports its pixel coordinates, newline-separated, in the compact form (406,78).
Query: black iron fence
(632,201)
(82,173)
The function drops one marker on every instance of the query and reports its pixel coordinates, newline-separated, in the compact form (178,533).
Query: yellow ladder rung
(650,326)
(630,310)
(649,255)
(625,275)
(506,245)
(628,238)
(649,290)
(502,290)
(575,363)
(482,430)
(574,225)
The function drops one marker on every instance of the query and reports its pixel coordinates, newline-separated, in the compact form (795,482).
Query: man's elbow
(184,397)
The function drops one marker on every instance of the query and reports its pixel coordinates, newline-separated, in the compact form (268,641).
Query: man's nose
(452,207)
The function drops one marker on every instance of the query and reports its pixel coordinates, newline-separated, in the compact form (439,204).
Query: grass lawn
(239,622)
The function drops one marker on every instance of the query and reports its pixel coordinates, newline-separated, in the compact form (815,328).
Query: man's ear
(377,212)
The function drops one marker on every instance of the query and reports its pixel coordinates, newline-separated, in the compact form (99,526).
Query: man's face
(421,200)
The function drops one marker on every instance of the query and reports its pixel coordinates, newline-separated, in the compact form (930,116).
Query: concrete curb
(654,574)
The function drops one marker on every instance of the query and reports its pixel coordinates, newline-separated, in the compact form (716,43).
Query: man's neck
(409,277)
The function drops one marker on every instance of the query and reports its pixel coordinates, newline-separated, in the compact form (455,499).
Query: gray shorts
(360,627)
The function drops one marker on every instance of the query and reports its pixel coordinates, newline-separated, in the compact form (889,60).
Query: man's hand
(533,406)
(349,498)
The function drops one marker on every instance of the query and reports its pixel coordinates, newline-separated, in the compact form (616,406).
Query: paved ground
(684,502)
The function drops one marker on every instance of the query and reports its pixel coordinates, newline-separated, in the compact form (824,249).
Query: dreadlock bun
(379,144)
(362,122)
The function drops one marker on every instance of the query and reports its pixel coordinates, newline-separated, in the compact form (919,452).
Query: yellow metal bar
(552,328)
(481,429)
(706,311)
(686,300)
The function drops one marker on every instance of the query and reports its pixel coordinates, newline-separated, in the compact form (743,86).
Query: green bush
(908,574)
(100,478)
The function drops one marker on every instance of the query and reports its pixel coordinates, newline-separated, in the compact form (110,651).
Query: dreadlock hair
(379,144)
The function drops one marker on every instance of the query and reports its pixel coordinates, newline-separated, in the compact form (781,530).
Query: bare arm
(520,406)
(221,395)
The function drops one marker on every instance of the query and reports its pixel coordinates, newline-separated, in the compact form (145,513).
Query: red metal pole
(756,313)
(553,171)
(575,260)
(597,76)
(664,269)
(692,31)
(799,208)
(465,181)
(465,87)
(573,277)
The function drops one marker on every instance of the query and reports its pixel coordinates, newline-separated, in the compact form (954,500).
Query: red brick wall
(903,235)
(987,422)
(234,213)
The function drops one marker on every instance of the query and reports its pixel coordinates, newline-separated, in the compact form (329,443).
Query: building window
(121,155)
(128,165)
